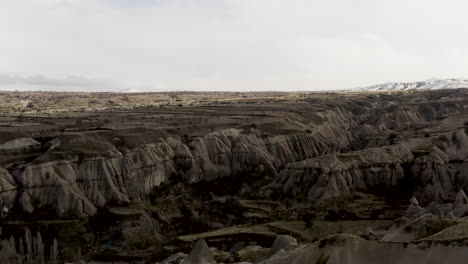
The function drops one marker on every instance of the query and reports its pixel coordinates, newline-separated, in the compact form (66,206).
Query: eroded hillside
(170,169)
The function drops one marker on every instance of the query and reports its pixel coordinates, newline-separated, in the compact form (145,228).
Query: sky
(228,45)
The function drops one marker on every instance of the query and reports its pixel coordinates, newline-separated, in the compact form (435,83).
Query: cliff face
(312,160)
(419,162)
(80,187)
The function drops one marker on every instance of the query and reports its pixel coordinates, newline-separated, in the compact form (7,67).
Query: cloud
(43,83)
(233,44)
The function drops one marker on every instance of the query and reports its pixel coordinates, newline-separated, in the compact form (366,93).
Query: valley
(261,177)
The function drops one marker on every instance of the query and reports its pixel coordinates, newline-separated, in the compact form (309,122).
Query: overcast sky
(162,45)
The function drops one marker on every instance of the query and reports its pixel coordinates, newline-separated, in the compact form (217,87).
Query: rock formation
(200,254)
(336,150)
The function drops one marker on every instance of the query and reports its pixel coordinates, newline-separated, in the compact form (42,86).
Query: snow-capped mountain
(432,84)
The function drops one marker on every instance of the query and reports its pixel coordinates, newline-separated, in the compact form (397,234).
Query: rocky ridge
(432,84)
(316,164)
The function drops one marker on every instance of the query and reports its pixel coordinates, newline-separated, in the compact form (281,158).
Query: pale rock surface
(348,249)
(283,242)
(19,144)
(460,199)
(200,254)
(176,258)
(414,201)
(8,188)
(414,209)
(460,205)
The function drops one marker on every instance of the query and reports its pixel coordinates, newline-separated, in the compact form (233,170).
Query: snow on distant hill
(433,84)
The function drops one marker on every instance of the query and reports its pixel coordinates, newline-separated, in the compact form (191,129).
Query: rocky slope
(144,185)
(436,234)
(77,174)
(434,166)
